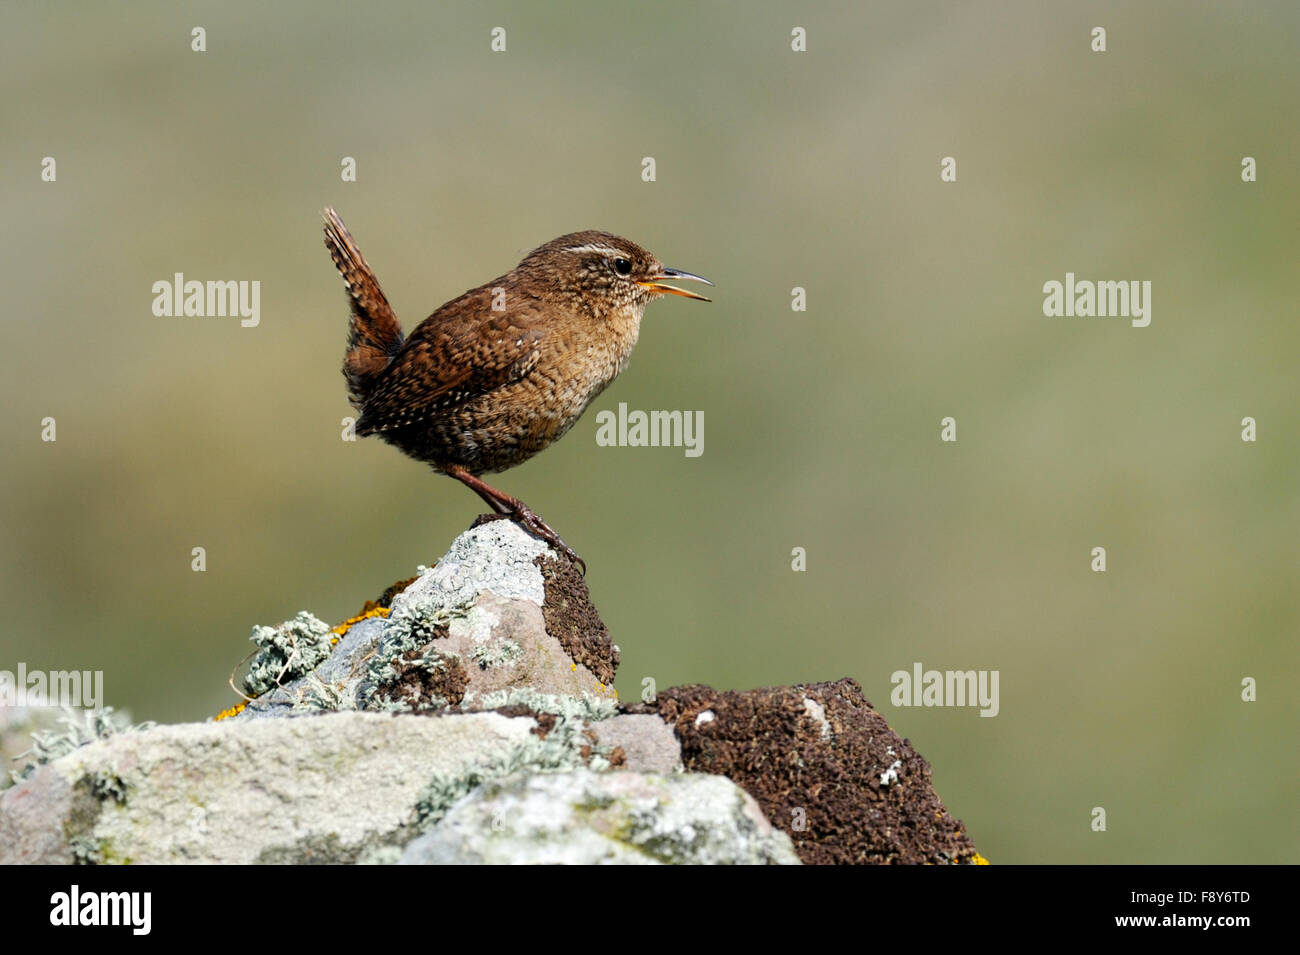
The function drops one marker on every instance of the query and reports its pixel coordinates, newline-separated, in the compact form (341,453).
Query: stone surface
(646,742)
(341,787)
(620,818)
(34,815)
(468,716)
(825,767)
(323,790)
(499,611)
(819,763)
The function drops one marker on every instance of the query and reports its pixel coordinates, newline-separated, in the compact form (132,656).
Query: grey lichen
(86,850)
(586,708)
(583,818)
(419,620)
(80,727)
(412,625)
(646,830)
(670,832)
(488,656)
(566,745)
(287,652)
(108,786)
(321,697)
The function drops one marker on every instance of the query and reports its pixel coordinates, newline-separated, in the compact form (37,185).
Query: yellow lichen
(351,622)
(233,711)
(371,609)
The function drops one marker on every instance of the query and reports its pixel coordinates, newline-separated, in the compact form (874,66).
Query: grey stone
(496,556)
(326,789)
(519,754)
(477,614)
(32,817)
(621,818)
(342,787)
(648,743)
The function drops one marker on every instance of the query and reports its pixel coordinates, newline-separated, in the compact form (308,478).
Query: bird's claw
(540,529)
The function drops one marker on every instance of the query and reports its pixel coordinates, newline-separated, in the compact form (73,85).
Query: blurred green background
(775,169)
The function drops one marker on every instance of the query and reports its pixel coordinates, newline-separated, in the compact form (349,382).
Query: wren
(504,370)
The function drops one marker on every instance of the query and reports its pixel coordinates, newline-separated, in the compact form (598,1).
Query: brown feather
(462,351)
(374,334)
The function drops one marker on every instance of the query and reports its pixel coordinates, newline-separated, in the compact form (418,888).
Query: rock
(825,767)
(646,742)
(500,611)
(469,716)
(343,787)
(31,735)
(309,790)
(586,818)
(38,816)
(351,787)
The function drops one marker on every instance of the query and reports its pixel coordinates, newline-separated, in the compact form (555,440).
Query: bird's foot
(524,516)
(516,510)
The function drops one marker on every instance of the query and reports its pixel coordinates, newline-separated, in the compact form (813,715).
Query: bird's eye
(622,266)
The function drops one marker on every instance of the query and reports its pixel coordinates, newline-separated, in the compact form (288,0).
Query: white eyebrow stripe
(602,249)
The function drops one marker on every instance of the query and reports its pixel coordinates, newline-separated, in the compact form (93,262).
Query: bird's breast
(589,355)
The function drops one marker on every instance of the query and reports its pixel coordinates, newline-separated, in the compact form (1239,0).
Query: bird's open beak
(656,286)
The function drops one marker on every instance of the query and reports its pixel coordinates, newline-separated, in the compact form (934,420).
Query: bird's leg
(518,511)
(495,503)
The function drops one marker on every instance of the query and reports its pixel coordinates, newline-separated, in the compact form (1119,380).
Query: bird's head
(604,272)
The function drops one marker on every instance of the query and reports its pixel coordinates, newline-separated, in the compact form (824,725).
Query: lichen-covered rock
(327,789)
(32,735)
(468,716)
(586,818)
(286,652)
(17,725)
(499,611)
(341,787)
(825,767)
